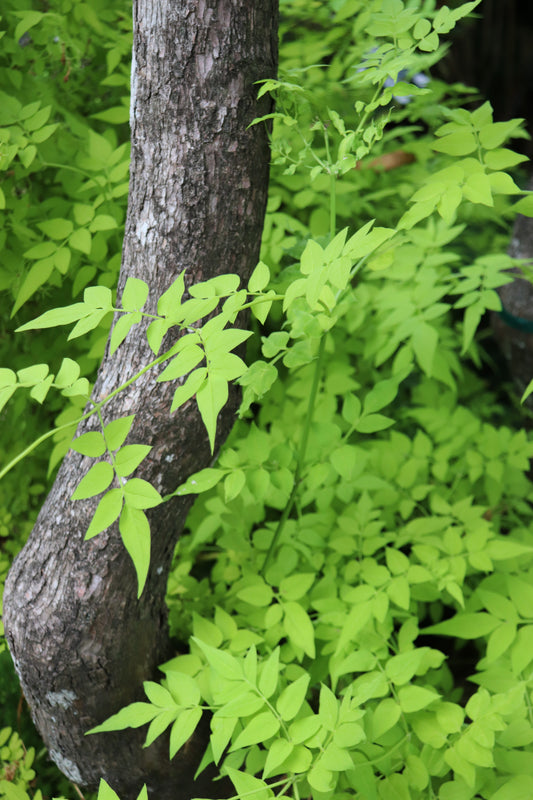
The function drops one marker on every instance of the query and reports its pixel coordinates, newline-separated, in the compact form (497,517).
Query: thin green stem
(332,189)
(95,410)
(301,454)
(39,441)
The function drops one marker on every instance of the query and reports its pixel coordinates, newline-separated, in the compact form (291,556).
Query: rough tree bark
(81,642)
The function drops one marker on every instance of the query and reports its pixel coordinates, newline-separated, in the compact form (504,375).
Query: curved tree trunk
(81,641)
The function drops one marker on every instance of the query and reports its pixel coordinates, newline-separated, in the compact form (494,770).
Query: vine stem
(300,461)
(301,455)
(95,410)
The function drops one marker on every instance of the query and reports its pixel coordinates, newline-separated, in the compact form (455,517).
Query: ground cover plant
(352,601)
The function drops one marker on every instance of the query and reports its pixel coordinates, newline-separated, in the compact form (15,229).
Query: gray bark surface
(81,641)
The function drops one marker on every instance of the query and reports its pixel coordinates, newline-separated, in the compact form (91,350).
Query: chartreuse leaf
(135,532)
(278,751)
(38,275)
(183,728)
(115,432)
(121,328)
(201,481)
(7,378)
(380,396)
(385,716)
(259,278)
(219,286)
(55,317)
(128,458)
(30,376)
(221,733)
(141,494)
(192,385)
(105,792)
(88,323)
(134,295)
(90,444)
(189,358)
(247,785)
(465,626)
(169,303)
(107,511)
(81,240)
(292,698)
(328,709)
(260,728)
(222,662)
(211,397)
(269,674)
(133,716)
(40,390)
(156,332)
(159,725)
(96,481)
(299,627)
(69,372)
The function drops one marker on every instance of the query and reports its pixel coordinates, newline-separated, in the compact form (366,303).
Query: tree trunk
(81,641)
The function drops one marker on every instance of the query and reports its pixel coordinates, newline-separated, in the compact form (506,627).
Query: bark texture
(81,641)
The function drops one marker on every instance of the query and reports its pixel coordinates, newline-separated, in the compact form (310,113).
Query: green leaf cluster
(366,530)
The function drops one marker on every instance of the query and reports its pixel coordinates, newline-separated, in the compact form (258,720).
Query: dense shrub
(352,598)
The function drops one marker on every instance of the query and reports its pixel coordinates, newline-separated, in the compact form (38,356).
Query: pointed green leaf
(56,316)
(465,626)
(194,382)
(141,494)
(248,786)
(211,398)
(40,390)
(259,278)
(81,240)
(135,532)
(183,728)
(221,661)
(133,716)
(201,481)
(30,376)
(380,396)
(169,303)
(260,728)
(121,328)
(279,750)
(269,677)
(56,228)
(134,295)
(97,297)
(292,698)
(88,323)
(182,363)
(90,444)
(69,372)
(299,627)
(96,481)
(129,457)
(373,423)
(116,431)
(107,512)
